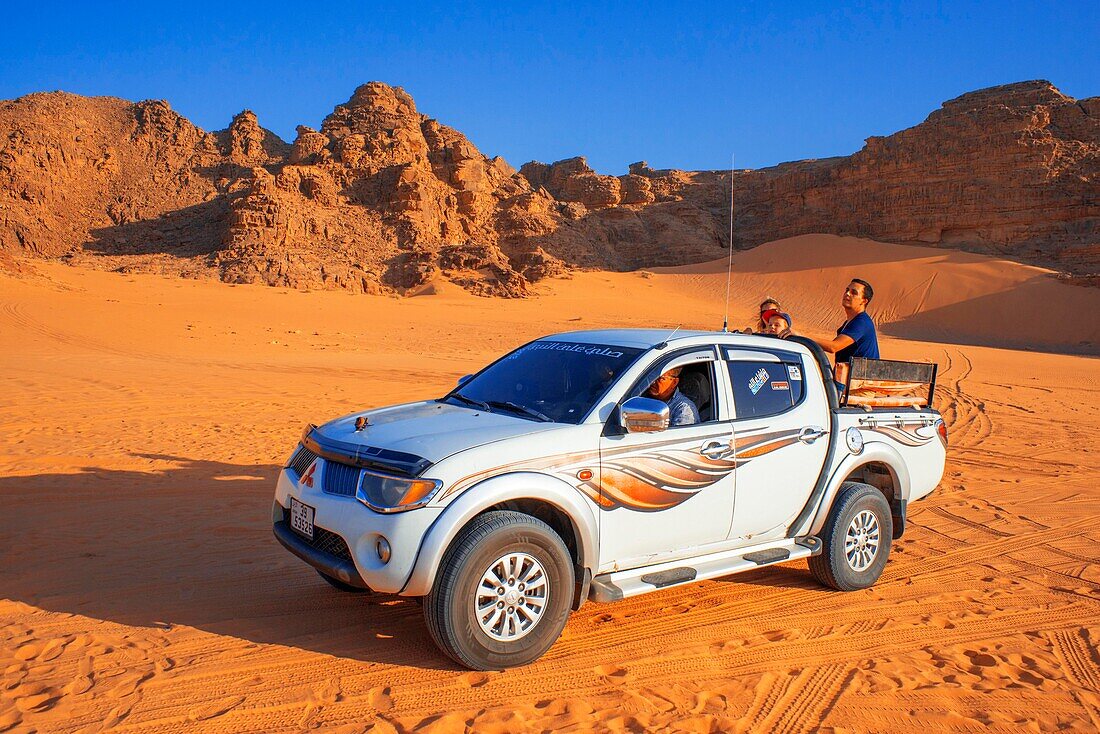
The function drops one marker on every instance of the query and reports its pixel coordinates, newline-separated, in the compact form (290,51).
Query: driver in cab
(681,411)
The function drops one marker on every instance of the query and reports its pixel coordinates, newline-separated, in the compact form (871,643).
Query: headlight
(388,493)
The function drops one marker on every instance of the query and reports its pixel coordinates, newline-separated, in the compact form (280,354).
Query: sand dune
(144,420)
(921,292)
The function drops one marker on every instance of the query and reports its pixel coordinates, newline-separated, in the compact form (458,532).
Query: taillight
(941,431)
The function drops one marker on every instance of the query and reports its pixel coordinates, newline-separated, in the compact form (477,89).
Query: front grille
(301,460)
(340,479)
(325,541)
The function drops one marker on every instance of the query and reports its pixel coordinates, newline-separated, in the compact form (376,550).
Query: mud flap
(897,512)
(581,585)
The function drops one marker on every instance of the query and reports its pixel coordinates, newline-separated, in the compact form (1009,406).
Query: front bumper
(359,527)
(326,563)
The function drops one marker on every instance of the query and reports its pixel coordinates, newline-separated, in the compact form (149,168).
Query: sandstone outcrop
(89,172)
(572,180)
(1011,171)
(245,143)
(385,199)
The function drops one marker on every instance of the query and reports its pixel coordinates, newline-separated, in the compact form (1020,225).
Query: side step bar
(621,584)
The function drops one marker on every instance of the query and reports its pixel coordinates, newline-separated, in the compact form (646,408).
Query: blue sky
(679,85)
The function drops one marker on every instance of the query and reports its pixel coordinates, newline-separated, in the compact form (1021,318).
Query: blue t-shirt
(862,331)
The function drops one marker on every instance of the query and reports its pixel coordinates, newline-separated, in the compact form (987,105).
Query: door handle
(809,434)
(715,449)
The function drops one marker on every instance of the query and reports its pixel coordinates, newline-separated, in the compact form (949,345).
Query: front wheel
(856,539)
(503,592)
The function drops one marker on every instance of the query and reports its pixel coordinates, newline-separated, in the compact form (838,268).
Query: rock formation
(1011,171)
(383,198)
(71,167)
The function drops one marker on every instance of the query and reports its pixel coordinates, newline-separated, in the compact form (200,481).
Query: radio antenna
(729,268)
(664,344)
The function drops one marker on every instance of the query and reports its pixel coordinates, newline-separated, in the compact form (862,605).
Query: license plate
(301,518)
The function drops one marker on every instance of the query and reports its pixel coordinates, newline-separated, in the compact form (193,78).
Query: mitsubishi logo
(307,478)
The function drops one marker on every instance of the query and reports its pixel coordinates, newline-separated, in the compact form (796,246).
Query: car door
(780,435)
(670,490)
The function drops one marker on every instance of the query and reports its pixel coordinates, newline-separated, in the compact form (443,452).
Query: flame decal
(759,444)
(645,479)
(658,481)
(903,436)
(653,481)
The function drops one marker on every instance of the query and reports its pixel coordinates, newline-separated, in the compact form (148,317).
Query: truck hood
(428,430)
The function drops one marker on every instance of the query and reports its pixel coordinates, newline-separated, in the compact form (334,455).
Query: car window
(798,384)
(765,388)
(557,380)
(696,384)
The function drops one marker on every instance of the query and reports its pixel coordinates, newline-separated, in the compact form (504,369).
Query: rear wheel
(338,584)
(503,592)
(856,539)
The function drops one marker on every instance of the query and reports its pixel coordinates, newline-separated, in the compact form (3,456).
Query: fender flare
(874,452)
(514,486)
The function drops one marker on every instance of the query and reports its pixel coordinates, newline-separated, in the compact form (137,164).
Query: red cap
(767,315)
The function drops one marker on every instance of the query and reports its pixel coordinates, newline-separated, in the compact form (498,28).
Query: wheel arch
(879,463)
(880,475)
(547,498)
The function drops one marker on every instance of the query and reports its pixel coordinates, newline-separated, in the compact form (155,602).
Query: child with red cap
(776,322)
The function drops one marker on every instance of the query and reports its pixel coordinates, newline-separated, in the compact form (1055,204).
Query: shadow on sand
(189,546)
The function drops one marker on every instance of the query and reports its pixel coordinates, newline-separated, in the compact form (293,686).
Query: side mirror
(463,380)
(643,415)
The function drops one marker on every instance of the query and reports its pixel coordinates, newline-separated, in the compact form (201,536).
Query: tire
(338,584)
(496,548)
(860,519)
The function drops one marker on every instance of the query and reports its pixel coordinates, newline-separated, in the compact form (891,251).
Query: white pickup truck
(550,478)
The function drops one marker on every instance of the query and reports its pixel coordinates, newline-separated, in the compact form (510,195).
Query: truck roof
(649,338)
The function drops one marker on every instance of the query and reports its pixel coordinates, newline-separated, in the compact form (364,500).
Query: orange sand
(144,421)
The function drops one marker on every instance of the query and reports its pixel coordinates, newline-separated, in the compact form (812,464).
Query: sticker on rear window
(781,386)
(794,372)
(757,381)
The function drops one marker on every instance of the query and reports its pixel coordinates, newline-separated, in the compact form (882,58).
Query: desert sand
(145,419)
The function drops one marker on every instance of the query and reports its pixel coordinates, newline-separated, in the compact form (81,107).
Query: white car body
(641,507)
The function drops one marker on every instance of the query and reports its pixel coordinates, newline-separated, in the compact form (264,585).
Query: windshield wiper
(522,409)
(470,401)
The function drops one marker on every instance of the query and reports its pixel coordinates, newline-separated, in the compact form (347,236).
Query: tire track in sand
(1077,658)
(764,604)
(16,314)
(558,679)
(1090,702)
(771,689)
(806,699)
(966,416)
(986,552)
(1047,571)
(948,515)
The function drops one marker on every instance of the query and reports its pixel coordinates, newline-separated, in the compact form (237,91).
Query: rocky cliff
(383,198)
(1011,171)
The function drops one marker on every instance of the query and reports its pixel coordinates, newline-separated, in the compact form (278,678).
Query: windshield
(546,380)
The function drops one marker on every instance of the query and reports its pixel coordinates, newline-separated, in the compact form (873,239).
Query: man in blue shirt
(856,337)
(681,410)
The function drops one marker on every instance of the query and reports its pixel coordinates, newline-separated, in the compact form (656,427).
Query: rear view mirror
(463,380)
(643,415)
